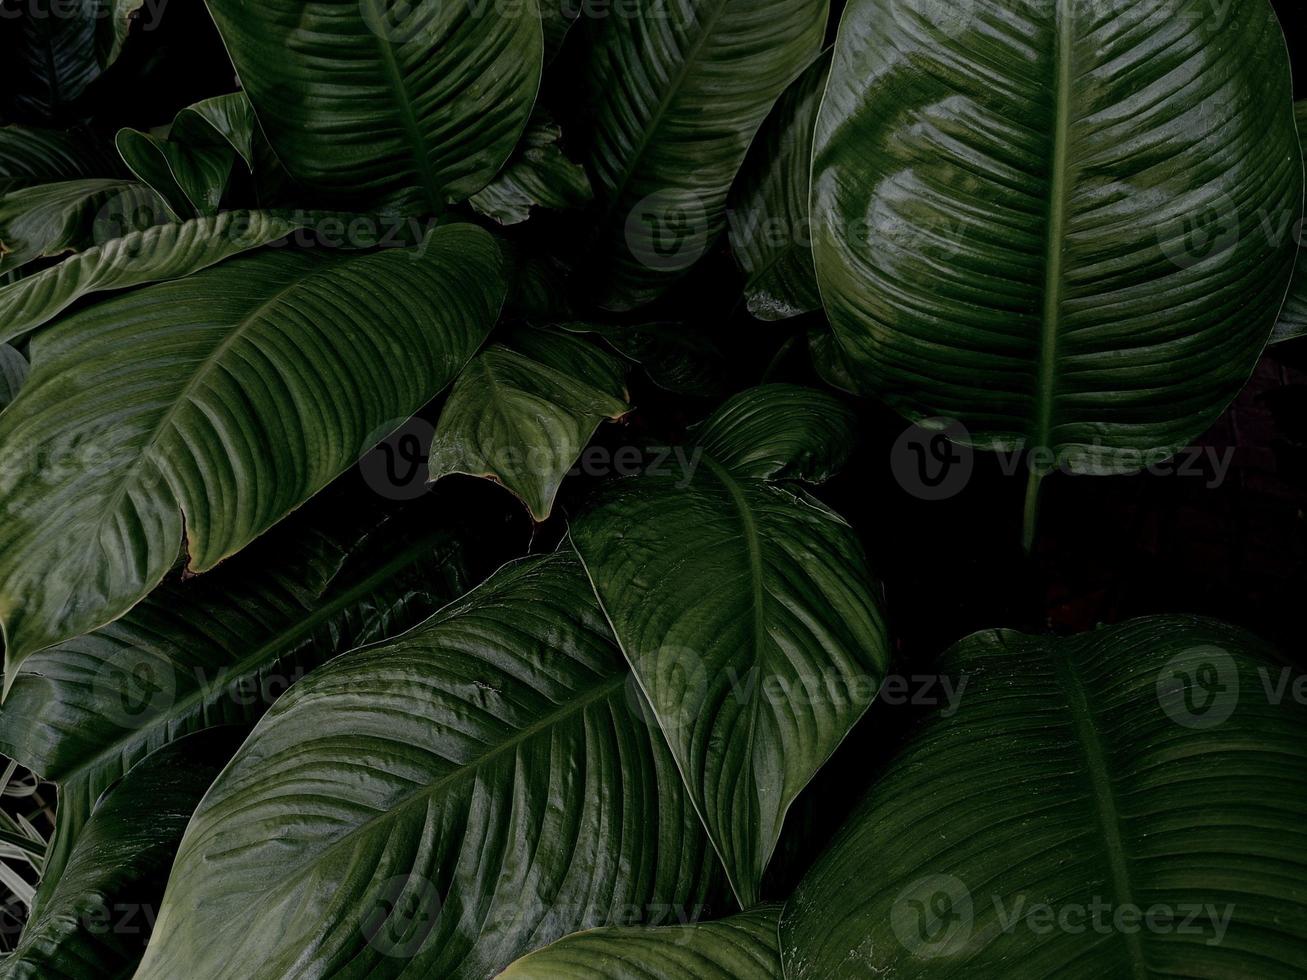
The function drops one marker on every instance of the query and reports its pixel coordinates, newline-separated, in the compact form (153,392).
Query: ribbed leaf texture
(1124,803)
(439,805)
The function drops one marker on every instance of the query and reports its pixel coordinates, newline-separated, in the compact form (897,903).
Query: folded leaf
(367,99)
(192,167)
(679,89)
(743,947)
(440,804)
(521,417)
(210,408)
(768,206)
(160,252)
(97,920)
(219,649)
(1050,225)
(537,174)
(749,618)
(1125,803)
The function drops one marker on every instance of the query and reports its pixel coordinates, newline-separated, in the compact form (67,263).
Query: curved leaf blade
(1139,767)
(158,253)
(680,89)
(13,374)
(749,618)
(1293,317)
(743,947)
(234,396)
(538,174)
(522,417)
(101,911)
(768,205)
(49,219)
(379,99)
(1065,252)
(437,773)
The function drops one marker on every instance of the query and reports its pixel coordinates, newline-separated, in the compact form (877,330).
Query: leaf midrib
(424,793)
(416,139)
(1058,204)
(1102,797)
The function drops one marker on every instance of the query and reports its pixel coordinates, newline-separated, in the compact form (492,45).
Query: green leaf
(1144,767)
(680,87)
(743,947)
(210,408)
(1293,316)
(438,805)
(538,174)
(521,417)
(676,357)
(749,617)
(160,252)
(97,920)
(781,432)
(39,156)
(384,99)
(49,219)
(768,205)
(13,373)
(1053,230)
(193,166)
(219,649)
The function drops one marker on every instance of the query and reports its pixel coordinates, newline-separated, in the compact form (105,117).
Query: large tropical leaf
(440,804)
(1126,803)
(192,167)
(747,613)
(1293,316)
(160,252)
(96,921)
(679,89)
(743,947)
(49,219)
(538,174)
(377,98)
(1068,231)
(219,649)
(768,206)
(210,408)
(521,413)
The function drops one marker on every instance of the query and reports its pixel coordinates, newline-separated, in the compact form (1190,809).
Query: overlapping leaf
(521,413)
(538,174)
(747,613)
(375,99)
(219,649)
(160,252)
(192,167)
(680,87)
(1048,224)
(743,947)
(13,372)
(768,206)
(211,407)
(48,219)
(1128,802)
(1293,316)
(96,921)
(439,805)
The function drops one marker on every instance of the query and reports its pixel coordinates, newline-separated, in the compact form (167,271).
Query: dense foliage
(418,555)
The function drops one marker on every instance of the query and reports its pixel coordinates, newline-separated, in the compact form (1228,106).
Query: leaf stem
(1031,521)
